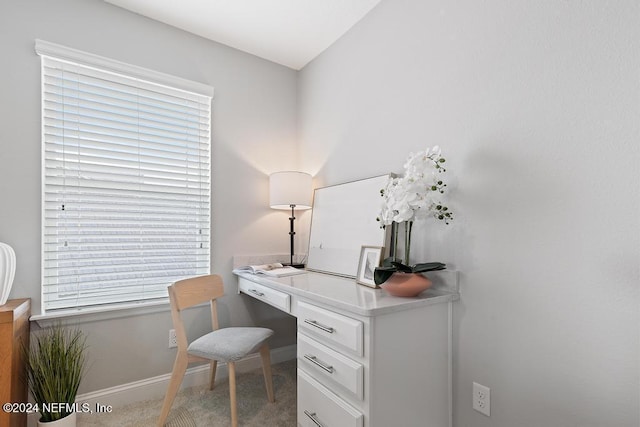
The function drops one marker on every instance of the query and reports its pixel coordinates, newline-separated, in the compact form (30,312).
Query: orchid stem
(394,239)
(407,241)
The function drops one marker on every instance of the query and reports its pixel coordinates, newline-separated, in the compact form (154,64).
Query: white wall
(537,108)
(536,105)
(253,122)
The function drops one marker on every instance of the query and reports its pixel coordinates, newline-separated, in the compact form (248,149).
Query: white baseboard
(156,387)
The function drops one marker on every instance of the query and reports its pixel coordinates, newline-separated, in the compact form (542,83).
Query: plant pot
(406,284)
(68,421)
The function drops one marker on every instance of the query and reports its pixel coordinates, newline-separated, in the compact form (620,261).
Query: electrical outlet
(173,341)
(482,399)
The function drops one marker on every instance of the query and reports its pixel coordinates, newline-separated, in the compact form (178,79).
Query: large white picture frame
(342,221)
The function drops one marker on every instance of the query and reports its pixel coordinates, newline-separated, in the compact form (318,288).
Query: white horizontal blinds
(127,186)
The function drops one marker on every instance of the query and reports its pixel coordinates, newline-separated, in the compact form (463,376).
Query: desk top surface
(345,294)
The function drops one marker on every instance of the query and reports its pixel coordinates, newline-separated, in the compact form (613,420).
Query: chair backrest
(196,290)
(189,292)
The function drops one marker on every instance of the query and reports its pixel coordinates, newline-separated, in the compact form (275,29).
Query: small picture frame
(369,259)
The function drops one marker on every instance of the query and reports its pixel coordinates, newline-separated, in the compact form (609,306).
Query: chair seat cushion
(229,344)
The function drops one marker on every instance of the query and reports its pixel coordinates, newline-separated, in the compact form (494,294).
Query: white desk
(365,358)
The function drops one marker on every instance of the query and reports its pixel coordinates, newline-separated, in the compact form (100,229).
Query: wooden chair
(221,345)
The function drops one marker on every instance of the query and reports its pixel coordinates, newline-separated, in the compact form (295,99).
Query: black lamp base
(293,265)
(292,233)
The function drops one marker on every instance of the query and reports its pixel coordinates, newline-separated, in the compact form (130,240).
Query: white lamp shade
(290,188)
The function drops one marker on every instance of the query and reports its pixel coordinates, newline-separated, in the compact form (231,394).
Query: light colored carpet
(200,407)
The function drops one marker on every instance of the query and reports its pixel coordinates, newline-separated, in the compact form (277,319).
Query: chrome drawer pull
(319,325)
(260,294)
(313,418)
(315,361)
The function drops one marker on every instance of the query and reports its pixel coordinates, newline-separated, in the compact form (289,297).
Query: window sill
(93,314)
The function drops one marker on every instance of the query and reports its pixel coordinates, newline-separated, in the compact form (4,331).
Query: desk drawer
(275,298)
(330,367)
(331,328)
(317,406)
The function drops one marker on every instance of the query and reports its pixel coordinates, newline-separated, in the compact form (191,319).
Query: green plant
(381,274)
(55,364)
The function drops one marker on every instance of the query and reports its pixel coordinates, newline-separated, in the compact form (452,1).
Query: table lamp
(290,190)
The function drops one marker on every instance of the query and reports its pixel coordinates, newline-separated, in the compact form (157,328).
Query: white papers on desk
(274,270)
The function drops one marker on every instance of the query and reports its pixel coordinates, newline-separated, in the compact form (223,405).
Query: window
(126,180)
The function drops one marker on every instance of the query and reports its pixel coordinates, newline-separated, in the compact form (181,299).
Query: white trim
(42,184)
(104,312)
(450,360)
(113,311)
(107,104)
(44,48)
(155,387)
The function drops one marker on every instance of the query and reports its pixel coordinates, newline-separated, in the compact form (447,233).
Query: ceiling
(288,32)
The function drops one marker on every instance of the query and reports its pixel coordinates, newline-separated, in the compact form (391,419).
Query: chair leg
(232,393)
(265,355)
(179,368)
(212,373)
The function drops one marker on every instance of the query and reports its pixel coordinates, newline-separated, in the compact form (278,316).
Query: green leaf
(428,266)
(389,266)
(381,274)
(402,267)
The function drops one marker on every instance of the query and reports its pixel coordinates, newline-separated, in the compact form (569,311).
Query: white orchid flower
(412,196)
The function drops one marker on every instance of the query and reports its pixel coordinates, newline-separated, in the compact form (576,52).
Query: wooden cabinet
(14,336)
